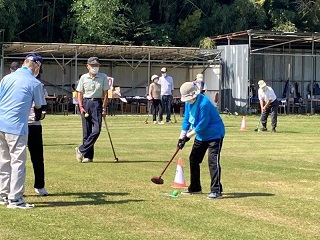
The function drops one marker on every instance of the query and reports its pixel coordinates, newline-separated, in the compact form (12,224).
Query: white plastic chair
(283,106)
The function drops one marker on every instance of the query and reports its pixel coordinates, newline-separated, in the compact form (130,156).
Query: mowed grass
(271,184)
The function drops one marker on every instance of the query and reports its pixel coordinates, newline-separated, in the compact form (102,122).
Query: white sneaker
(87,160)
(3,201)
(41,191)
(79,155)
(154,122)
(187,192)
(19,204)
(161,122)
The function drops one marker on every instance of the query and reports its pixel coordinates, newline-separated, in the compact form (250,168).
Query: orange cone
(179,181)
(243,124)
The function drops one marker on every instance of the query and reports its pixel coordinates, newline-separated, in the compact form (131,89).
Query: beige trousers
(12,165)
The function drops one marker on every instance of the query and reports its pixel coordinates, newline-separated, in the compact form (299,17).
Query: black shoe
(263,129)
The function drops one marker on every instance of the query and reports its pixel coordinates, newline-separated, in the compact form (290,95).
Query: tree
(10,10)
(187,28)
(99,21)
(309,13)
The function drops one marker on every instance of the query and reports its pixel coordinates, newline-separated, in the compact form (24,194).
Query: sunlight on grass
(270,181)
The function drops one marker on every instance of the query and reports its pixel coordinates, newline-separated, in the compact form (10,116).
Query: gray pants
(273,109)
(13,158)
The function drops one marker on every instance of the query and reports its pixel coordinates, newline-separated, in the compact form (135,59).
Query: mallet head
(157,180)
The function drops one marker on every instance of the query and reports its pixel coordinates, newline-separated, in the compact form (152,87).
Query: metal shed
(288,62)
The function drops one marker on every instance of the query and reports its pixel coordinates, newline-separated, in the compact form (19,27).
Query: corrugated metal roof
(114,52)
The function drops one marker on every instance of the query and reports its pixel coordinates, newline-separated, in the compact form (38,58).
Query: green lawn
(271,184)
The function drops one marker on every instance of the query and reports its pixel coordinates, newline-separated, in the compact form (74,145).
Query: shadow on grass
(129,161)
(86,198)
(59,144)
(243,195)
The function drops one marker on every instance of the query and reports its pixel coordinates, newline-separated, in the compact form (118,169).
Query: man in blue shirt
(18,91)
(202,120)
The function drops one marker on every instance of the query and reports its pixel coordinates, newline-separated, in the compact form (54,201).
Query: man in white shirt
(269,104)
(167,88)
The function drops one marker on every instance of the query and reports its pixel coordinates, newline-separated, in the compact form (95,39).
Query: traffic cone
(179,181)
(243,124)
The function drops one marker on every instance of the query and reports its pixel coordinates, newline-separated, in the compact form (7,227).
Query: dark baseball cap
(35,57)
(93,60)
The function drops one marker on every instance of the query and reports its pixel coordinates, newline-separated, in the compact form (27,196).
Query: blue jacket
(203,117)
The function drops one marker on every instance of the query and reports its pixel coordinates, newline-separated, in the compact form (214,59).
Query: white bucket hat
(188,91)
(262,84)
(199,77)
(154,77)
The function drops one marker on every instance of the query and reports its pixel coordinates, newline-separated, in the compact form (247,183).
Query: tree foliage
(150,22)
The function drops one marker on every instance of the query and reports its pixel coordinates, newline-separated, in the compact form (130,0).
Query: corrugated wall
(234,85)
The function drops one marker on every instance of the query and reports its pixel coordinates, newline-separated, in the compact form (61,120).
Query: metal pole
(2,61)
(313,76)
(76,66)
(249,72)
(2,54)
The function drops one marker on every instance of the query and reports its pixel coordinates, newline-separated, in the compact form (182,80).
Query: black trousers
(196,157)
(91,126)
(166,102)
(156,109)
(273,109)
(35,146)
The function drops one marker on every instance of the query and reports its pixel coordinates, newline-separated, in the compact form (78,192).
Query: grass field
(271,184)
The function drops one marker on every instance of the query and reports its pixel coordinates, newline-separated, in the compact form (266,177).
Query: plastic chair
(283,106)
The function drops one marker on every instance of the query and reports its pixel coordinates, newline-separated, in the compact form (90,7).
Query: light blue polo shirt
(18,91)
(93,87)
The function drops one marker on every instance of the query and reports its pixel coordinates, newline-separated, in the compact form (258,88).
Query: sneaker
(41,191)
(214,195)
(154,122)
(19,204)
(273,130)
(263,129)
(161,122)
(3,201)
(187,192)
(87,160)
(79,155)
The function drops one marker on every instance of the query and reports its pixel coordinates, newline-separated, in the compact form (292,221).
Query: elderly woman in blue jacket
(202,120)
